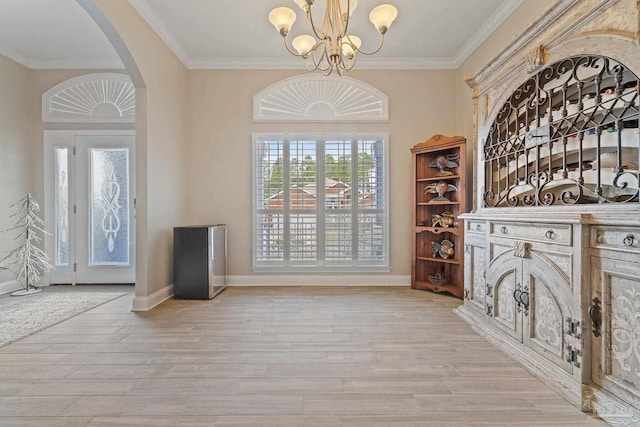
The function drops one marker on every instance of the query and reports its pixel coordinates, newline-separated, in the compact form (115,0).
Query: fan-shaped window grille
(318,98)
(568,135)
(95,98)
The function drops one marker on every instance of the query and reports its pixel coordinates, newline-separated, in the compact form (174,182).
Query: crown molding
(486,30)
(79,64)
(147,13)
(158,25)
(61,64)
(15,56)
(297,64)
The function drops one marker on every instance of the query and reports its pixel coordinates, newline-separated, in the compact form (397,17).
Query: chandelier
(332,48)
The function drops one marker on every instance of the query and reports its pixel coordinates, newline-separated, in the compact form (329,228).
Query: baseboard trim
(318,280)
(9,286)
(156,298)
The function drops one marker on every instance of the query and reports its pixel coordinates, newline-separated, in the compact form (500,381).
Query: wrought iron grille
(568,135)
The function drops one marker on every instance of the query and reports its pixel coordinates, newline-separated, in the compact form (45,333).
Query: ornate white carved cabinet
(615,342)
(522,291)
(552,248)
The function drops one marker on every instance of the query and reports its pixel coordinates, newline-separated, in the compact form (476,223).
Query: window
(320,203)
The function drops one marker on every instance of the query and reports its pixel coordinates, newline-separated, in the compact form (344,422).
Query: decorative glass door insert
(89,207)
(109,222)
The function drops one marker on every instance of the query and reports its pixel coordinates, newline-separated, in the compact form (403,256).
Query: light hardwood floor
(273,357)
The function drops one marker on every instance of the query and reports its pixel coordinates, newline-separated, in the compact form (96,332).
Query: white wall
(16,148)
(220,126)
(194,136)
(161,145)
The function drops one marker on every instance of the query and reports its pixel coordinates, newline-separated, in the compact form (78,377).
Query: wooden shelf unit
(424,263)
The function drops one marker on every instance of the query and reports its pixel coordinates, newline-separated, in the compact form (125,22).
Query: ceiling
(237,33)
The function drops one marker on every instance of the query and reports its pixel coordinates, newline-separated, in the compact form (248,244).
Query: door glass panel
(109,218)
(62,206)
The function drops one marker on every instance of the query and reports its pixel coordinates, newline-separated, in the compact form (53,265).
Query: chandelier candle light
(332,48)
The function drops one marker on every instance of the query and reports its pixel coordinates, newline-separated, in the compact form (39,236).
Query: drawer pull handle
(478,227)
(595,313)
(524,297)
(503,230)
(628,240)
(517,295)
(549,234)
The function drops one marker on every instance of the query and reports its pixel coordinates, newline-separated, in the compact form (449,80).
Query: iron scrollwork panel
(568,135)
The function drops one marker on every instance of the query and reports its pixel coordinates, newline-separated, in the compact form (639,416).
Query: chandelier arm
(316,32)
(333,21)
(374,51)
(324,57)
(346,20)
(306,65)
(289,49)
(352,63)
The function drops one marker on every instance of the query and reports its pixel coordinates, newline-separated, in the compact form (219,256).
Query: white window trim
(317,266)
(344,99)
(75,100)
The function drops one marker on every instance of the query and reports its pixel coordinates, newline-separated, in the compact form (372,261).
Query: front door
(89,206)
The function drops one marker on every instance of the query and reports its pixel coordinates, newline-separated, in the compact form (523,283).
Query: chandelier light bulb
(303,44)
(382,16)
(301,3)
(282,18)
(348,45)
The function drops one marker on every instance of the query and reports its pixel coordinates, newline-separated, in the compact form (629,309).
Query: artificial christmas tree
(28,262)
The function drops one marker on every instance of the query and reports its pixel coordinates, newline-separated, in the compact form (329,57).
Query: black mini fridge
(199,261)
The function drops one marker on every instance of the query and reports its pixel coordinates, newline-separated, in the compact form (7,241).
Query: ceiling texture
(215,34)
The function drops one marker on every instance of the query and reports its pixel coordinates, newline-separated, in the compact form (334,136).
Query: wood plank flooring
(281,356)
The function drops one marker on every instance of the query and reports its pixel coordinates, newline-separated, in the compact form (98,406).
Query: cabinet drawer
(476,226)
(608,237)
(547,233)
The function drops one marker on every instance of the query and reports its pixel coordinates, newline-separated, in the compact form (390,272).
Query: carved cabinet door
(504,280)
(475,261)
(615,327)
(545,300)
